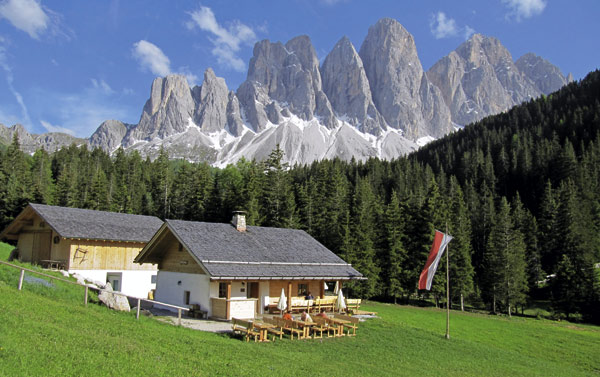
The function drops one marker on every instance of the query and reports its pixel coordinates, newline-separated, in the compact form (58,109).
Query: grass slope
(48,331)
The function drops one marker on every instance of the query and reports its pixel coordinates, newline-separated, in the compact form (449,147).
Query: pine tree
(278,203)
(504,262)
(396,252)
(461,269)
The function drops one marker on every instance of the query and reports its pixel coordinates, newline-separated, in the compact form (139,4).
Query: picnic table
(340,323)
(52,264)
(263,328)
(305,327)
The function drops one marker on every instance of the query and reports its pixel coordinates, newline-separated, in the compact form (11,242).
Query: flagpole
(447,288)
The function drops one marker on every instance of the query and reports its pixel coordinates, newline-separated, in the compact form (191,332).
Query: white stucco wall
(170,291)
(133,283)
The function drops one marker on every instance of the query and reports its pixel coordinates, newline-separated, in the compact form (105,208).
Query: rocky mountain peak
(346,85)
(479,78)
(109,135)
(546,76)
(401,92)
(167,111)
(211,100)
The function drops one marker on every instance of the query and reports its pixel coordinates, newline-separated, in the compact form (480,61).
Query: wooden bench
(291,327)
(326,303)
(277,330)
(321,326)
(246,328)
(352,305)
(352,325)
(299,304)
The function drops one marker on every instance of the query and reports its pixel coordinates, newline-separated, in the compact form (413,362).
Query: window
(180,247)
(222,290)
(302,289)
(153,279)
(186,297)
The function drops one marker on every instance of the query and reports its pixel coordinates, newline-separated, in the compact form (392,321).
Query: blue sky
(69,65)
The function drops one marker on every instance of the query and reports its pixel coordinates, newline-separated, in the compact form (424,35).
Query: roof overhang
(145,255)
(12,231)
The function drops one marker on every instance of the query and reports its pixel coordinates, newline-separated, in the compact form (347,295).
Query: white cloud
(25,15)
(9,80)
(442,27)
(50,128)
(520,9)
(102,85)
(332,2)
(151,58)
(468,31)
(226,41)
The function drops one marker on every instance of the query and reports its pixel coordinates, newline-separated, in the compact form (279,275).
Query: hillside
(50,332)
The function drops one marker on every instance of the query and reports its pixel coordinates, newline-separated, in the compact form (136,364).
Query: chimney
(239,220)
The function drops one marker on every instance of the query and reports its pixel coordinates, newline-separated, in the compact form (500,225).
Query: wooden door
(253,290)
(42,242)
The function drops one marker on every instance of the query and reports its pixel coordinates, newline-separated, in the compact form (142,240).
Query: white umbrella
(336,289)
(340,304)
(282,304)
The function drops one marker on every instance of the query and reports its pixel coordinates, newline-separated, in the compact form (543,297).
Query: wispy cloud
(9,81)
(151,58)
(102,85)
(50,128)
(26,15)
(226,40)
(442,27)
(521,9)
(468,31)
(33,18)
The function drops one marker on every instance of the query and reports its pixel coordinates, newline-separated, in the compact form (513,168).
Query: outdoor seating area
(327,303)
(333,325)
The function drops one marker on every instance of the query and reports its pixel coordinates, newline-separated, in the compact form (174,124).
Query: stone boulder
(113,301)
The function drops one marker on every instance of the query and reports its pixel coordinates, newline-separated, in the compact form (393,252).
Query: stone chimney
(239,220)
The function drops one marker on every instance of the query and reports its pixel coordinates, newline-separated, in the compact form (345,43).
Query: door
(115,279)
(42,242)
(252,292)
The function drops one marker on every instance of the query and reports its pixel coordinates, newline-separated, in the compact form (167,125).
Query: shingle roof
(259,251)
(98,225)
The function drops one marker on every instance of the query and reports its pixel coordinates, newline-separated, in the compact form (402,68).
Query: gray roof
(259,251)
(98,225)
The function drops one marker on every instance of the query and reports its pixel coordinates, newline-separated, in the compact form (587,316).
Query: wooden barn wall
(105,255)
(176,260)
(314,286)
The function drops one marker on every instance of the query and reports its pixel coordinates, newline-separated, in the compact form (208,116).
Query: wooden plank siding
(176,258)
(105,255)
(314,286)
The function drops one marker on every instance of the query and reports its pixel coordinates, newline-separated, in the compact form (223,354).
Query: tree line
(519,192)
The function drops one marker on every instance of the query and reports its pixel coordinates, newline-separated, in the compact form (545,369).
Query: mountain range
(374,102)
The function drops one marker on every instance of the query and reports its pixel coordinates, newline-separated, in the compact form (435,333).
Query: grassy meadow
(47,331)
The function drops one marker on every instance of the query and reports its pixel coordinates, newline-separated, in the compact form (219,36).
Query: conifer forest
(519,192)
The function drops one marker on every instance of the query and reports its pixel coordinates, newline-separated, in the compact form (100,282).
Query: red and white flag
(440,242)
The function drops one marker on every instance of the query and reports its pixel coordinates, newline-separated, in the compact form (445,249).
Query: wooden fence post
(178,317)
(137,314)
(21,279)
(86,295)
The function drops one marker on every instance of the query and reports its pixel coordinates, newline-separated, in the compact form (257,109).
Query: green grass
(46,334)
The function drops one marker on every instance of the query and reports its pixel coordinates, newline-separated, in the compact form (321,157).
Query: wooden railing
(139,300)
